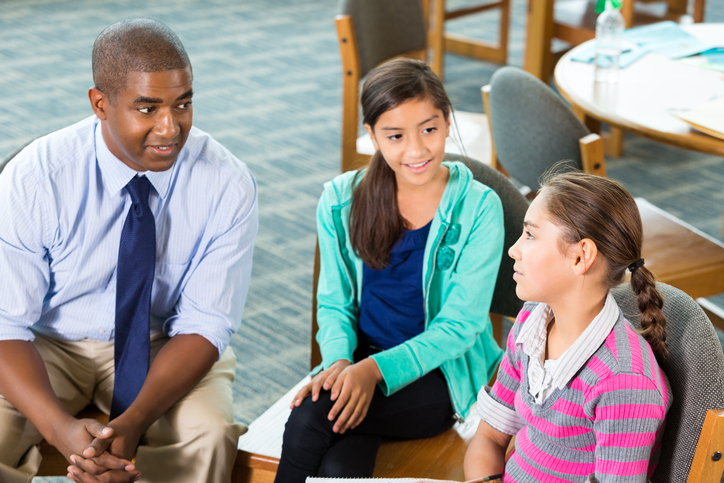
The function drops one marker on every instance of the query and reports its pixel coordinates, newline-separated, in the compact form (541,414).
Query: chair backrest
(369,32)
(532,127)
(385,29)
(695,369)
(505,301)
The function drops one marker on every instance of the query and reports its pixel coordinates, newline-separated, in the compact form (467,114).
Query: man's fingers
(114,463)
(112,476)
(87,465)
(97,429)
(96,447)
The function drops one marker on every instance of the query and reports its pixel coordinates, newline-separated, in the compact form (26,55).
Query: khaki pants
(195,441)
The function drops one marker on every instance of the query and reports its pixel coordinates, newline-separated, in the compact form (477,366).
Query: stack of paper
(707,118)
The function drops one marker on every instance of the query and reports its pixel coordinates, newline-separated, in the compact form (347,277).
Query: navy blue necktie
(134,280)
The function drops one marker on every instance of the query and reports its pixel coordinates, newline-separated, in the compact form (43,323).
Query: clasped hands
(352,387)
(98,452)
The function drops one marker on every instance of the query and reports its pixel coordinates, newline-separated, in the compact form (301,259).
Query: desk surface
(646,92)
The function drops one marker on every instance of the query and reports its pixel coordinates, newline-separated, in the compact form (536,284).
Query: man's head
(142,93)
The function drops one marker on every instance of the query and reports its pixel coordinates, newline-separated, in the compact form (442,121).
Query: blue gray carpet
(268,86)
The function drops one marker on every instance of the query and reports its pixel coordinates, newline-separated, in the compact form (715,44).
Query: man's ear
(584,254)
(369,130)
(99,102)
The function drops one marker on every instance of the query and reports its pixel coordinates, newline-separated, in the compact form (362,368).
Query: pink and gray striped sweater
(606,422)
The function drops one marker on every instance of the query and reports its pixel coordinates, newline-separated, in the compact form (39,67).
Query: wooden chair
(442,42)
(574,22)
(532,128)
(371,32)
(440,457)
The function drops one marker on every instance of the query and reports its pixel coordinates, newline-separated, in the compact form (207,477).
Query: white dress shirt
(62,209)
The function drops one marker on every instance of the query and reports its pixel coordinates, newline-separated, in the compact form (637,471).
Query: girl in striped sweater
(578,386)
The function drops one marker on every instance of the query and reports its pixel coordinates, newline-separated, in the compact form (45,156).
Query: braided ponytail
(650,302)
(600,209)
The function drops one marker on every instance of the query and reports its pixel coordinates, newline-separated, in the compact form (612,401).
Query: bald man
(125,257)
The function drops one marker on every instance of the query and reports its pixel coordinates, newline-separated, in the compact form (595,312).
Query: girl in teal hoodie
(409,250)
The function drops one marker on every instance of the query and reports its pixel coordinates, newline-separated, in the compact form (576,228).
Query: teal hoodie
(460,266)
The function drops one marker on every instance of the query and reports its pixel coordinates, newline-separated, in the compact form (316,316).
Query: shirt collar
(533,335)
(117,174)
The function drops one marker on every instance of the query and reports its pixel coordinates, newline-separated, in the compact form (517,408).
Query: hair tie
(636,265)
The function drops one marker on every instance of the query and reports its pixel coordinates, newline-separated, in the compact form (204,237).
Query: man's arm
(25,384)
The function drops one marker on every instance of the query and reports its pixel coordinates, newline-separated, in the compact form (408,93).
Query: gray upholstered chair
(369,33)
(505,302)
(532,128)
(695,369)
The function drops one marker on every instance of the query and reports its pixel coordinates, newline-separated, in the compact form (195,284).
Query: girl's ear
(447,126)
(584,254)
(369,130)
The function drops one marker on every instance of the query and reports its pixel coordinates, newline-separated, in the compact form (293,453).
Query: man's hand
(353,390)
(79,434)
(324,380)
(109,453)
(122,443)
(106,468)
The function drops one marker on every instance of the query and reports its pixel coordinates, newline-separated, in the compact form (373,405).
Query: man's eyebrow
(155,100)
(186,95)
(147,100)
(419,124)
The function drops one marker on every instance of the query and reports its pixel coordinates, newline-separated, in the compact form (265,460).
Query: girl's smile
(411,138)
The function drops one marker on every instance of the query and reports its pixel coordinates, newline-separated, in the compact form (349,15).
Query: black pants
(310,448)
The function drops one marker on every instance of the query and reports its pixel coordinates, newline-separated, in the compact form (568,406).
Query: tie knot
(139,188)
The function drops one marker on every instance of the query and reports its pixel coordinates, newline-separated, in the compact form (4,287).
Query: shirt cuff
(499,417)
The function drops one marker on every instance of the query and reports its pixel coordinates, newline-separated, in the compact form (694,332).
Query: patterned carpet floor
(267,80)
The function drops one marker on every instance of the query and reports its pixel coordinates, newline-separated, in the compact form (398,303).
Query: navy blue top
(392,306)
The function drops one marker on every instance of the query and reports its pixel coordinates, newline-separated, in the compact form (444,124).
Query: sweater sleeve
(336,308)
(463,315)
(496,405)
(628,412)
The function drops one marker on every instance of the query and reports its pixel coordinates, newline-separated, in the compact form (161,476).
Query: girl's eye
(394,137)
(429,129)
(147,110)
(529,235)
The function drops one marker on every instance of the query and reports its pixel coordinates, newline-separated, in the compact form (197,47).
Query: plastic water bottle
(609,31)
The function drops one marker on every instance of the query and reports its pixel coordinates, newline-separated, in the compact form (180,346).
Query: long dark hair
(600,209)
(375,221)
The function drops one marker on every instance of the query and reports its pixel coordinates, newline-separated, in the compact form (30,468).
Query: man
(125,256)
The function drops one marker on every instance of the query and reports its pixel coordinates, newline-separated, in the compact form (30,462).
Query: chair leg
(436,38)
(539,38)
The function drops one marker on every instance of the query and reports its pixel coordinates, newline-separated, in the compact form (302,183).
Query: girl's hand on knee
(324,380)
(352,393)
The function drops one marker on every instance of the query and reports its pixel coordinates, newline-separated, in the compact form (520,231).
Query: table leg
(539,36)
(612,141)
